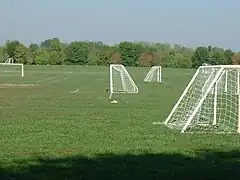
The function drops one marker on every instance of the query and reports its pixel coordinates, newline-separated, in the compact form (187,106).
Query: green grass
(46,132)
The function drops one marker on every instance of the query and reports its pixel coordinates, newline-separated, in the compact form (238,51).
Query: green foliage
(228,55)
(2,54)
(93,56)
(10,48)
(200,56)
(54,52)
(105,55)
(77,53)
(129,53)
(42,57)
(21,54)
(33,48)
(56,58)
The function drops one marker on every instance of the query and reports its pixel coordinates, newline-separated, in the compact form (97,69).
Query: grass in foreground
(49,133)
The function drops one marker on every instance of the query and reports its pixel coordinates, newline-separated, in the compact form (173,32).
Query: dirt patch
(7,85)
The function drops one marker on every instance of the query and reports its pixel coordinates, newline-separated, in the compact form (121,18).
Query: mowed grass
(47,132)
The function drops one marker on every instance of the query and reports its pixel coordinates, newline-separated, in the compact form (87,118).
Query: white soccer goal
(154,74)
(120,80)
(210,103)
(11,68)
(9,61)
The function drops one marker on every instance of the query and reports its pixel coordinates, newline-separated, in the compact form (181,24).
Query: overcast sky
(187,22)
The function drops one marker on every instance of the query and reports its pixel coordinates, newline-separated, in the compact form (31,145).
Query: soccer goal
(120,80)
(210,103)
(11,69)
(154,74)
(9,61)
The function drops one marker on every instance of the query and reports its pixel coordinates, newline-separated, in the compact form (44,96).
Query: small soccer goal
(11,69)
(9,61)
(121,81)
(154,74)
(210,103)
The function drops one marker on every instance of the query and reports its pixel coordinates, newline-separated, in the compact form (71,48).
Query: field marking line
(62,72)
(46,79)
(8,75)
(11,71)
(74,91)
(5,85)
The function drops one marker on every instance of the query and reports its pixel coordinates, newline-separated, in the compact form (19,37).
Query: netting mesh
(122,81)
(211,104)
(154,74)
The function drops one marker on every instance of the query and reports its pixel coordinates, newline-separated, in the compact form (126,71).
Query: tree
(46,44)
(17,51)
(200,56)
(236,59)
(93,56)
(146,59)
(2,54)
(128,53)
(10,48)
(43,57)
(33,48)
(216,56)
(55,58)
(77,53)
(158,58)
(53,51)
(181,61)
(21,54)
(116,58)
(105,54)
(228,53)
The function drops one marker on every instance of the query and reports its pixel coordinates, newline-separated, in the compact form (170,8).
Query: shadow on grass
(206,165)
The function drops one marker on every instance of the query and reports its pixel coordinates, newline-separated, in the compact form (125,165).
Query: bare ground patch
(8,85)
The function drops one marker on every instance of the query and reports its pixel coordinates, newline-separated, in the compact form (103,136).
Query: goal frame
(15,64)
(111,88)
(214,82)
(152,70)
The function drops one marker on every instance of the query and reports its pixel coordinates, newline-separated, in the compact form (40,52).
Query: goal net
(210,103)
(120,80)
(154,74)
(11,69)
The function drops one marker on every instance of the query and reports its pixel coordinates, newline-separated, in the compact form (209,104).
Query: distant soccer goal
(9,61)
(9,68)
(210,103)
(154,74)
(121,81)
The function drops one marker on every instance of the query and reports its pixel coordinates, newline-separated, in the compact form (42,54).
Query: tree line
(54,52)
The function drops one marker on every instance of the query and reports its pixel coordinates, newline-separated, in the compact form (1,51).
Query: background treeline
(54,52)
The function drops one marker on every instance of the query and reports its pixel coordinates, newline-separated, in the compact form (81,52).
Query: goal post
(21,69)
(154,74)
(210,103)
(120,80)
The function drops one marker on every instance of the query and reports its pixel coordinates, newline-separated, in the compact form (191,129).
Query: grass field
(46,132)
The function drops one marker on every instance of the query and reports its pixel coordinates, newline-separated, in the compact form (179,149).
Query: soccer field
(58,123)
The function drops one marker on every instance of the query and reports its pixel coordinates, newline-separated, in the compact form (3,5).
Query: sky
(191,23)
